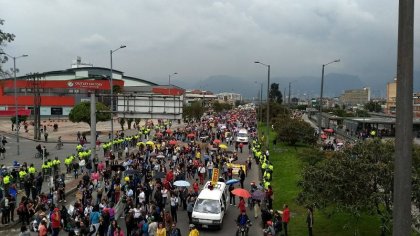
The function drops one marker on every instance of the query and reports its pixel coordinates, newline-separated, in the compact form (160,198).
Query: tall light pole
(404,121)
(16,100)
(175,73)
(322,92)
(260,99)
(268,102)
(112,97)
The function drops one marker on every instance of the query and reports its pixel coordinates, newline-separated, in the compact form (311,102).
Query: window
(207,206)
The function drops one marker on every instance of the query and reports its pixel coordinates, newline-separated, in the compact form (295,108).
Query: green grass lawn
(287,173)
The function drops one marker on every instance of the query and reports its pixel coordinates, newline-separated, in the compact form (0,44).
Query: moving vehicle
(211,205)
(242,136)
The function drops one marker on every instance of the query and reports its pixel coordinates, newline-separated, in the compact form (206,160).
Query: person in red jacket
(241,205)
(285,218)
(170,176)
(55,222)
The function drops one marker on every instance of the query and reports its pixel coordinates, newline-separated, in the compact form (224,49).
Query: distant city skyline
(201,39)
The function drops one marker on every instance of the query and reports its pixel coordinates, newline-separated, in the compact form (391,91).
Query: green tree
(193,112)
(275,94)
(81,113)
(20,119)
(4,39)
(276,111)
(373,106)
(357,180)
(122,122)
(219,106)
(292,131)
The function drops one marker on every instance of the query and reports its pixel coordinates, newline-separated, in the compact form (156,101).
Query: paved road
(229,225)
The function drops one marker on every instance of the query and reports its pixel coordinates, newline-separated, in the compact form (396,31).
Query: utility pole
(92,124)
(404,121)
(37,105)
(288,101)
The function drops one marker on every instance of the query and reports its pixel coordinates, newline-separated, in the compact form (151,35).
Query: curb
(39,141)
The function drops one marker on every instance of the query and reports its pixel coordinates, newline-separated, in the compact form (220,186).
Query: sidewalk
(71,185)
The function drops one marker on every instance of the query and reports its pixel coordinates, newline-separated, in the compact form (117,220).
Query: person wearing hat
(193,231)
(55,222)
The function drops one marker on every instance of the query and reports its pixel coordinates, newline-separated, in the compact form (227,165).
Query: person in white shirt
(82,164)
(174,206)
(142,197)
(164,192)
(210,168)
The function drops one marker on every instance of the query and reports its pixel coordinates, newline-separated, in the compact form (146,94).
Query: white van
(211,205)
(242,136)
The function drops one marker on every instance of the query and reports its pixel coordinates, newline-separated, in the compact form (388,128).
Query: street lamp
(260,99)
(16,101)
(112,97)
(268,101)
(175,73)
(322,92)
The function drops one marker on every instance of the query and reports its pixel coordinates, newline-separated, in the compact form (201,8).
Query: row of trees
(357,180)
(195,110)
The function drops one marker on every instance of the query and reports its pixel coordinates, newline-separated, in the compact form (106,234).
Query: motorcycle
(243,229)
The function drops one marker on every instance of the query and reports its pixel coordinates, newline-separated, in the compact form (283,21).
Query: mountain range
(301,87)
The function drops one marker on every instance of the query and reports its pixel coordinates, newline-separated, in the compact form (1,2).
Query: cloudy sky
(201,38)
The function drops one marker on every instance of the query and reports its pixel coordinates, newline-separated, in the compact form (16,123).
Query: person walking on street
(174,201)
(241,174)
(2,152)
(55,222)
(285,218)
(310,220)
(193,231)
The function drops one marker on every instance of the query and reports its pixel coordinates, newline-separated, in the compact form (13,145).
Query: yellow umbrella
(223,146)
(150,143)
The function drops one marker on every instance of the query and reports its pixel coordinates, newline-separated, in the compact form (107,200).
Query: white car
(242,136)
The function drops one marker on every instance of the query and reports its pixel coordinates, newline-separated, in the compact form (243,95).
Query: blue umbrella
(232,181)
(182,183)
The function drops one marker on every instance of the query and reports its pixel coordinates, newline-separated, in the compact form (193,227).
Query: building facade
(60,91)
(391,97)
(355,97)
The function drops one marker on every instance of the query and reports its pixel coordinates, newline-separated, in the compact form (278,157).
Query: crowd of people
(136,181)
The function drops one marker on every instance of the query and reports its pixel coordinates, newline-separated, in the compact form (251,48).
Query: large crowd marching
(136,181)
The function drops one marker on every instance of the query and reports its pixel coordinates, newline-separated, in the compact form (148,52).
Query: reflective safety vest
(263,166)
(32,170)
(22,174)
(266,184)
(271,167)
(45,166)
(6,179)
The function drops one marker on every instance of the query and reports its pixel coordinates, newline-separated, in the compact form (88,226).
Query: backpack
(145,227)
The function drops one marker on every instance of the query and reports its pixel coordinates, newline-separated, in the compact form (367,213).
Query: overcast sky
(200,38)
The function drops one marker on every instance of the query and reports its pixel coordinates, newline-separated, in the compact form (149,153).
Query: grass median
(287,173)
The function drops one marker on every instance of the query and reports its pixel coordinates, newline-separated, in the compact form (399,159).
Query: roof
(214,194)
(96,72)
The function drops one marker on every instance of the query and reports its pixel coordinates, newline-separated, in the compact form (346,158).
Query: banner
(236,167)
(215,177)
